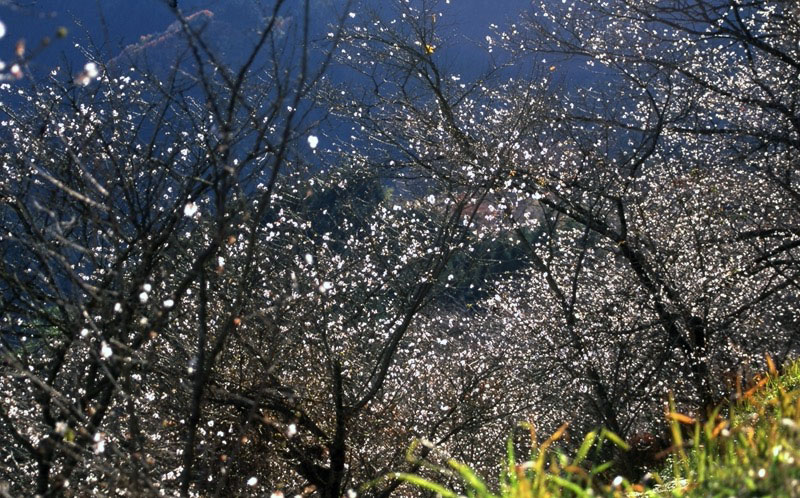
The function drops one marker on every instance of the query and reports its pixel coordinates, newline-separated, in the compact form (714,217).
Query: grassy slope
(753,451)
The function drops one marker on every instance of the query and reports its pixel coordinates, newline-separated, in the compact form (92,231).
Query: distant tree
(656,210)
(667,211)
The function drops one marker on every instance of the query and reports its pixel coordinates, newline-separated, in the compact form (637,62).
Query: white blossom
(105,350)
(190,209)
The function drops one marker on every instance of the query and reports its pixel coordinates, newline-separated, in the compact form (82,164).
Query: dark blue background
(125,21)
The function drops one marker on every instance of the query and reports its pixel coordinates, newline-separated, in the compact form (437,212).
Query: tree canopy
(271,269)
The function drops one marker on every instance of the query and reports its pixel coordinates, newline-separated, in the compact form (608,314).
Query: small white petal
(143,297)
(99,443)
(105,350)
(309,259)
(91,70)
(313,141)
(169,303)
(147,287)
(2,29)
(190,209)
(252,481)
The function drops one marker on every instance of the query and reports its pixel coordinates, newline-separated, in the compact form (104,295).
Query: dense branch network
(221,278)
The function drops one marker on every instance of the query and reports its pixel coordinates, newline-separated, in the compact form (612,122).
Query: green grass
(754,450)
